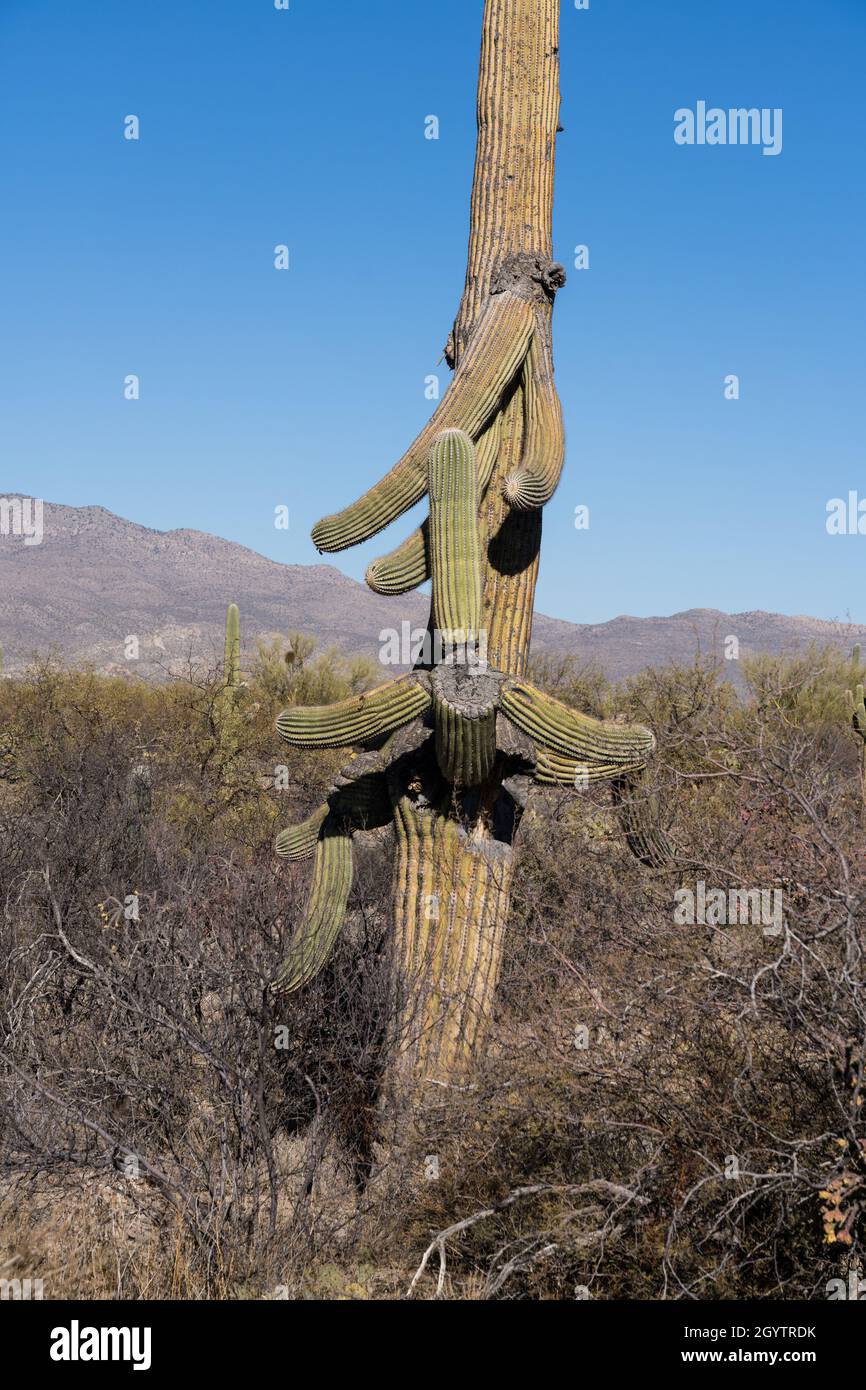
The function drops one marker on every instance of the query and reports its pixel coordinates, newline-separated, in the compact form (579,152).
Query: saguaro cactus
(856,703)
(226,712)
(466,734)
(232,657)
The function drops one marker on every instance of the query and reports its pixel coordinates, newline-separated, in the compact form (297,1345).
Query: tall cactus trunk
(453,877)
(460,741)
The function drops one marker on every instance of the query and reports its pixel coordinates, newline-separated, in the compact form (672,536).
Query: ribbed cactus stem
(355,720)
(299,841)
(534,482)
(409,565)
(404,568)
(314,940)
(232,657)
(491,363)
(640,816)
(455,546)
(464,713)
(857,707)
(555,769)
(591,741)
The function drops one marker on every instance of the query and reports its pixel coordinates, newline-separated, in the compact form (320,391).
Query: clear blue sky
(306,127)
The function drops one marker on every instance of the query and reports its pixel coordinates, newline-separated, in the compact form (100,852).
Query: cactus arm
(491,363)
(555,769)
(409,565)
(314,939)
(402,569)
(594,742)
(641,821)
(535,481)
(455,545)
(299,841)
(358,801)
(360,795)
(362,717)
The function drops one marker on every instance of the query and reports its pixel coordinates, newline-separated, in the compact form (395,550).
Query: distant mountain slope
(97,579)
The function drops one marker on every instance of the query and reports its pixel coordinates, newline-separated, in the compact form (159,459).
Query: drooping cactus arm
(405,568)
(640,816)
(299,841)
(534,482)
(359,796)
(358,800)
(491,363)
(351,721)
(555,769)
(314,939)
(593,742)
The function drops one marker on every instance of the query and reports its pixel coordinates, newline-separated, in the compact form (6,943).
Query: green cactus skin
(232,658)
(593,742)
(534,483)
(409,565)
(465,748)
(362,717)
(553,769)
(486,370)
(404,568)
(857,708)
(314,940)
(455,546)
(464,715)
(641,821)
(299,841)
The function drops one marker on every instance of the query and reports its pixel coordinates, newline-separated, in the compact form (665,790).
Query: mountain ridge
(97,578)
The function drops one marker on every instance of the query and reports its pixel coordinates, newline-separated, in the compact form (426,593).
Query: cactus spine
(466,742)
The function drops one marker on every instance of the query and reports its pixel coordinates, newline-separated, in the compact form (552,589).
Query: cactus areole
(459,746)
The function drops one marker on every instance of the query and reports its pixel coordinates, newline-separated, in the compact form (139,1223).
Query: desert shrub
(665,1108)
